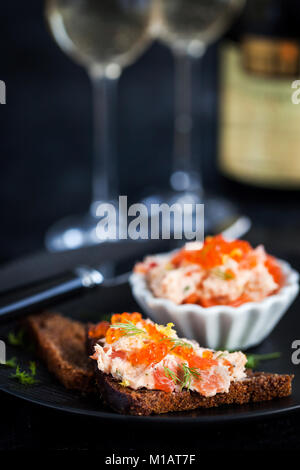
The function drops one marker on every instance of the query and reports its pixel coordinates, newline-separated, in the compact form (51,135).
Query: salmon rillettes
(216,272)
(142,354)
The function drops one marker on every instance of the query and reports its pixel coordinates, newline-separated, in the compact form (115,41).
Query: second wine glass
(188,27)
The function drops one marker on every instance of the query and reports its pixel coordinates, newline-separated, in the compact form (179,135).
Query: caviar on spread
(142,354)
(216,272)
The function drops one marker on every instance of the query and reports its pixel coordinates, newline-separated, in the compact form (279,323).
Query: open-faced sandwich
(141,368)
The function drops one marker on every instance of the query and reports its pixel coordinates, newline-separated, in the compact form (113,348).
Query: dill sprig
(32,368)
(180,343)
(171,375)
(128,328)
(16,339)
(20,339)
(12,362)
(24,377)
(188,374)
(253,360)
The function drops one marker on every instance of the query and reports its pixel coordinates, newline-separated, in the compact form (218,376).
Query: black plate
(48,392)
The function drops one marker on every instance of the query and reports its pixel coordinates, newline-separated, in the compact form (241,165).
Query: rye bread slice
(61,344)
(258,386)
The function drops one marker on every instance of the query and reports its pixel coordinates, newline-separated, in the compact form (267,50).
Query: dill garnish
(177,343)
(16,339)
(171,375)
(20,339)
(26,378)
(12,362)
(253,360)
(180,343)
(129,328)
(188,374)
(32,368)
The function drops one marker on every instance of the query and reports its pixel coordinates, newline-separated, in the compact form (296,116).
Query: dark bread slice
(258,386)
(61,343)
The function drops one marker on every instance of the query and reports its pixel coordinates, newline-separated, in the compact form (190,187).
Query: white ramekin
(220,327)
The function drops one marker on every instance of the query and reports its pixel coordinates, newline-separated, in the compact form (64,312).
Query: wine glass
(104,36)
(188,27)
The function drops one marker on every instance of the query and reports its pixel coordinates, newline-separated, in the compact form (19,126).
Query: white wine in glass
(188,27)
(104,36)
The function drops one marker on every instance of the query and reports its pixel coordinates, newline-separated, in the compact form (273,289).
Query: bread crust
(258,386)
(60,344)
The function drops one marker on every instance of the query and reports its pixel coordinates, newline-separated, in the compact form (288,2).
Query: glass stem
(184,177)
(105,183)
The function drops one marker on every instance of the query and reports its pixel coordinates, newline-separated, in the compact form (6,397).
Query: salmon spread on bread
(185,376)
(142,354)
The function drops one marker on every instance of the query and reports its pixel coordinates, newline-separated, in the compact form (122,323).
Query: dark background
(46,136)
(46,127)
(45,174)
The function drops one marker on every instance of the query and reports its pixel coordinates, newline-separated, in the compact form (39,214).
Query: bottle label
(259,124)
(271,57)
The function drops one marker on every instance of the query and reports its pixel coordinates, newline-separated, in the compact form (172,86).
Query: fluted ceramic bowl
(220,327)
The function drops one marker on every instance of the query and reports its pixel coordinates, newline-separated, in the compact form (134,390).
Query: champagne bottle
(259,132)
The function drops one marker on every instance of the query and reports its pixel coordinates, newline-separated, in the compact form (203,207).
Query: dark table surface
(27,426)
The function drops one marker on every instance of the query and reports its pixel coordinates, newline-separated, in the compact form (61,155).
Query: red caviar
(113,334)
(192,299)
(188,354)
(212,253)
(208,354)
(99,330)
(215,252)
(240,300)
(183,351)
(134,317)
(151,353)
(201,363)
(228,364)
(274,269)
(153,332)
